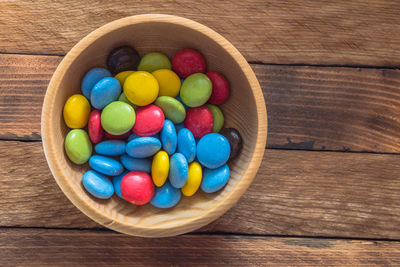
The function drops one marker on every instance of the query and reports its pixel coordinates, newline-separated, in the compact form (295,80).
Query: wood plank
(75,248)
(312,108)
(284,32)
(294,193)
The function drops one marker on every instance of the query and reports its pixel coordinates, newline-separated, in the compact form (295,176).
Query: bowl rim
(49,143)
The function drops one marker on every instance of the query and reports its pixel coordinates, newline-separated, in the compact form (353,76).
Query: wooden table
(328,190)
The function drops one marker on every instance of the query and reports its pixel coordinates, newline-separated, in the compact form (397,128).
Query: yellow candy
(194,179)
(121,77)
(141,88)
(76,111)
(160,168)
(169,82)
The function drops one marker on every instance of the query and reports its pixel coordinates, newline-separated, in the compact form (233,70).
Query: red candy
(119,137)
(149,121)
(137,187)
(220,88)
(199,121)
(95,130)
(188,61)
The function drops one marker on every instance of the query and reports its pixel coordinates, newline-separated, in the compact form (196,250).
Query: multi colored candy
(155,128)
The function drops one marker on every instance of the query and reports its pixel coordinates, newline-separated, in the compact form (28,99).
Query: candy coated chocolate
(166,196)
(235,141)
(199,121)
(122,58)
(95,130)
(213,150)
(220,88)
(149,121)
(188,61)
(97,185)
(137,187)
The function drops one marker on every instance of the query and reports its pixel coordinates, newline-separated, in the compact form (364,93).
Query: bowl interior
(166,36)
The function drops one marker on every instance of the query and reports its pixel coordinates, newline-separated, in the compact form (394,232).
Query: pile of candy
(158,136)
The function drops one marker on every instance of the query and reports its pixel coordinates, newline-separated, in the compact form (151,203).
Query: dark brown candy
(234,139)
(122,58)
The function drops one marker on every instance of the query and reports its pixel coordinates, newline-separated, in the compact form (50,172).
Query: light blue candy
(91,78)
(117,183)
(187,144)
(214,179)
(110,148)
(106,165)
(134,164)
(104,92)
(97,184)
(166,196)
(168,137)
(213,150)
(178,170)
(143,147)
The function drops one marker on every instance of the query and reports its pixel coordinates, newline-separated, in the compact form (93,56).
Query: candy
(187,144)
(199,121)
(193,181)
(169,82)
(172,108)
(141,88)
(97,185)
(117,137)
(213,150)
(160,168)
(95,130)
(220,88)
(121,77)
(116,180)
(91,78)
(178,170)
(143,147)
(168,137)
(149,120)
(78,146)
(188,61)
(215,179)
(106,165)
(137,187)
(196,90)
(117,118)
(122,58)
(154,61)
(166,196)
(218,117)
(104,92)
(134,164)
(235,141)
(122,97)
(110,148)
(76,111)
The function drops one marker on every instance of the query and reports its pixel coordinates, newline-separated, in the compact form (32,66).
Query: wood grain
(36,247)
(311,108)
(283,32)
(294,193)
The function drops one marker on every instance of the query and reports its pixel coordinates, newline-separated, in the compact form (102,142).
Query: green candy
(154,61)
(117,118)
(173,109)
(196,90)
(78,146)
(218,117)
(123,98)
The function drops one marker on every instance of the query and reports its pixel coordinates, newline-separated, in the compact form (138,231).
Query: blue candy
(133,136)
(134,164)
(187,144)
(178,170)
(110,148)
(117,183)
(97,185)
(166,196)
(106,165)
(213,150)
(104,92)
(168,137)
(143,147)
(214,179)
(91,78)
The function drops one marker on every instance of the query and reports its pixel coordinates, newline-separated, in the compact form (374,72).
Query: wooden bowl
(245,110)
